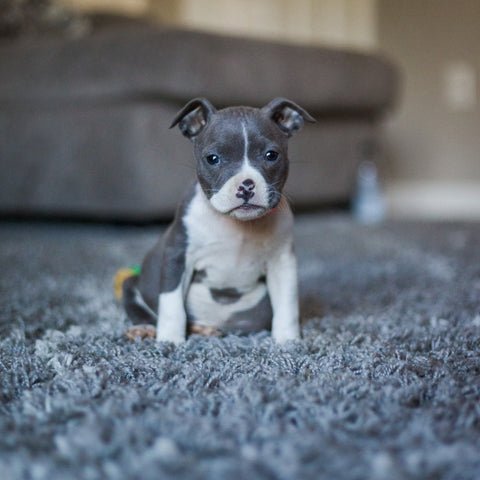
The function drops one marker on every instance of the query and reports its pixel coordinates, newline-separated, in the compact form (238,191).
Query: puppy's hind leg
(137,310)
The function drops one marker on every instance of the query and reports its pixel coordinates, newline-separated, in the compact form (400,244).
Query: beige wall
(126,7)
(433,142)
(335,22)
(338,22)
(436,132)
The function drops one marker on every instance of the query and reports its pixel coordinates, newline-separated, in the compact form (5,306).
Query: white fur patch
(282,286)
(208,312)
(172,319)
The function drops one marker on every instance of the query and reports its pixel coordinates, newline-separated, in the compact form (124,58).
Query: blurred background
(428,152)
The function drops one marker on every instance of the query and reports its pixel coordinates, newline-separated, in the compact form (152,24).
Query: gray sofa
(84,122)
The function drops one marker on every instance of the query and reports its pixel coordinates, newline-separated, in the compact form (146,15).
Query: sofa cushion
(160,63)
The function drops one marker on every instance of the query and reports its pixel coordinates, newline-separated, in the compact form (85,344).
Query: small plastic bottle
(369,205)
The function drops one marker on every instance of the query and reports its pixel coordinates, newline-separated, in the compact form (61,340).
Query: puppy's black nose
(245,190)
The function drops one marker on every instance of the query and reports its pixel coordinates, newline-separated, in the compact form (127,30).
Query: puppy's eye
(212,159)
(271,155)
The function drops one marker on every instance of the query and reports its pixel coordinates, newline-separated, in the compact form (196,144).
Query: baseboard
(434,200)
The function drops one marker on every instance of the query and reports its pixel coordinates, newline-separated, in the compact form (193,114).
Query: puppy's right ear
(193,117)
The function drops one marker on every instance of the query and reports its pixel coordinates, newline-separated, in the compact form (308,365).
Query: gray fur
(287,115)
(255,319)
(164,265)
(225,296)
(199,276)
(135,306)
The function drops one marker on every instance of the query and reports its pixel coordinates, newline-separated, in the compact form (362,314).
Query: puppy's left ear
(193,117)
(287,115)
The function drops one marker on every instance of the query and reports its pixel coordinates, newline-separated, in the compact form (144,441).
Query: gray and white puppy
(227,261)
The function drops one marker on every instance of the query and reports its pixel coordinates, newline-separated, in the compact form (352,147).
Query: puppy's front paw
(283,338)
(282,334)
(141,331)
(173,334)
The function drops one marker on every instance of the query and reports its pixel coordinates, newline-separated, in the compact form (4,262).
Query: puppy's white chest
(227,262)
(229,257)
(228,245)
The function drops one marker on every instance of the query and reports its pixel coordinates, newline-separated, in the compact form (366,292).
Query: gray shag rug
(384,385)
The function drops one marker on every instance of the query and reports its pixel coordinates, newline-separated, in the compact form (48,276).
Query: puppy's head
(241,153)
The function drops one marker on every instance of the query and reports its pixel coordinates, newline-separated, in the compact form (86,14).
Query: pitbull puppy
(226,263)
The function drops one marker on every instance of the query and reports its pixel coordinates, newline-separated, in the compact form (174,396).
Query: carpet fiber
(384,385)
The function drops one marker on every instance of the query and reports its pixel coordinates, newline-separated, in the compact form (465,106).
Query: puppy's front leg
(172,319)
(283,290)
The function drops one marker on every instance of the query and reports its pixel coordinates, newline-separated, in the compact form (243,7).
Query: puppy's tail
(120,278)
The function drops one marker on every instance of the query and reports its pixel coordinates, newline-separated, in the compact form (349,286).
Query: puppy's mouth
(248,206)
(247,211)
